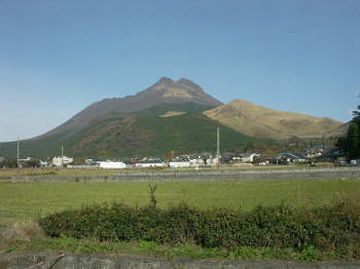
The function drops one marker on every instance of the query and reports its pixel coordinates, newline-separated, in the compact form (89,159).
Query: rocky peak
(179,88)
(182,90)
(188,84)
(163,83)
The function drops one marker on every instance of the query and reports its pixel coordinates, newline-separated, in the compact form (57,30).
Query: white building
(150,163)
(179,164)
(248,157)
(198,162)
(111,165)
(43,163)
(213,161)
(60,161)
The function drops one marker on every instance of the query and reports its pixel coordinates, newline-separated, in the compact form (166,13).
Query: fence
(203,175)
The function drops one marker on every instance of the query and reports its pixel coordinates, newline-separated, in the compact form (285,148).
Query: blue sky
(57,57)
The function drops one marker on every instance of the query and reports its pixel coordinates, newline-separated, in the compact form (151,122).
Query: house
(150,163)
(61,161)
(179,162)
(194,160)
(288,157)
(199,162)
(315,151)
(233,158)
(43,163)
(213,161)
(90,162)
(111,165)
(247,157)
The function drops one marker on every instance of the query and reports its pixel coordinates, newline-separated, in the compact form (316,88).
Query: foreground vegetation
(21,203)
(39,243)
(328,229)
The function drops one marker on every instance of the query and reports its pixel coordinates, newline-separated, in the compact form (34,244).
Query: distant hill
(170,116)
(258,121)
(340,131)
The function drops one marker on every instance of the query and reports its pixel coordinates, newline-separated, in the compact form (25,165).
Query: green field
(21,202)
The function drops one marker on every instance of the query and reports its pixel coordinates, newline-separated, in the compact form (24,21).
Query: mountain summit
(179,91)
(165,91)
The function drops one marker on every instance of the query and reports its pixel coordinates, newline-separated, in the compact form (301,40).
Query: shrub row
(331,228)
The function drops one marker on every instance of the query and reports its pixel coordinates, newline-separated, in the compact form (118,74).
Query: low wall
(230,175)
(17,261)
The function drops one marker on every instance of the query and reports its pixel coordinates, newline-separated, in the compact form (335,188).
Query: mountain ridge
(259,121)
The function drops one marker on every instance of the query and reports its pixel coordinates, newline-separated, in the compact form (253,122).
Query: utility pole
(218,146)
(18,153)
(62,155)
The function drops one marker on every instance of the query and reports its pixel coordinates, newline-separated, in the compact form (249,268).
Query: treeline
(334,229)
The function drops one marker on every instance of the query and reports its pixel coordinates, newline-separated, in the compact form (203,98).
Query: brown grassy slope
(258,121)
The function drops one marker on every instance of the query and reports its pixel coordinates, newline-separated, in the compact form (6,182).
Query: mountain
(158,130)
(165,91)
(258,121)
(164,117)
(170,116)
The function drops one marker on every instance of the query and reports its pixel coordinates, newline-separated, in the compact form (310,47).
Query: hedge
(329,228)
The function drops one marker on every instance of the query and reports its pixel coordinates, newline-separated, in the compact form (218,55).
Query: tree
(350,144)
(356,113)
(353,141)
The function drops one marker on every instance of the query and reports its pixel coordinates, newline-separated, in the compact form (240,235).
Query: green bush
(332,228)
(338,229)
(178,225)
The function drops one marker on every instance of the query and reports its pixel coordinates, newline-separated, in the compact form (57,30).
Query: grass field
(21,202)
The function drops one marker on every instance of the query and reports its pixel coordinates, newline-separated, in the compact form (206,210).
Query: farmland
(21,202)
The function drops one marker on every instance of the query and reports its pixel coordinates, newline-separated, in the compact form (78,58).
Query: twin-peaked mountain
(165,91)
(170,116)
